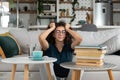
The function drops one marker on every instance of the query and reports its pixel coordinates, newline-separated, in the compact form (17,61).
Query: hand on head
(52,25)
(67,26)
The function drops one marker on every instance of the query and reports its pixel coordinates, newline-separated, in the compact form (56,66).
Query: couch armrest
(2,53)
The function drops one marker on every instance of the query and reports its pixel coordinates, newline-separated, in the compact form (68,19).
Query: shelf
(67,2)
(25,12)
(83,9)
(32,1)
(50,1)
(26,1)
(65,16)
(116,1)
(48,12)
(116,11)
(46,17)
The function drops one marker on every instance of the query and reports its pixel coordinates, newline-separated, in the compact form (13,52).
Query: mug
(37,54)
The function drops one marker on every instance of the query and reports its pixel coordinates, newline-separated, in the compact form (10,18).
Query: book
(92,46)
(89,52)
(89,60)
(89,57)
(90,64)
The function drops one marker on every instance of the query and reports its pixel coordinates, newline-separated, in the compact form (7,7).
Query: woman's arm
(42,38)
(76,37)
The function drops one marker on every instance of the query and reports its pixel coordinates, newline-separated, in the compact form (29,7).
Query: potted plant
(40,6)
(75,2)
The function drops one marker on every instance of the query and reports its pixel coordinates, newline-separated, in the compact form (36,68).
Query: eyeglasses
(60,31)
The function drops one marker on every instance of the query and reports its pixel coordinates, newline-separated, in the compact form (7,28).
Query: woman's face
(59,34)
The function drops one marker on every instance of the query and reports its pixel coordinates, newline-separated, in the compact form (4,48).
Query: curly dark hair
(51,39)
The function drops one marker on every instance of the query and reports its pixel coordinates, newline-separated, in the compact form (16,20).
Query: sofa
(25,37)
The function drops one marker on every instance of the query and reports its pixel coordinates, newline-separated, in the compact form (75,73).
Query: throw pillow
(30,38)
(4,41)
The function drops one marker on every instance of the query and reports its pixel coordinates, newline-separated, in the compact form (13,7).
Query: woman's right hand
(52,25)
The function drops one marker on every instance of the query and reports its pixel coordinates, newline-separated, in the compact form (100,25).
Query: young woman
(59,41)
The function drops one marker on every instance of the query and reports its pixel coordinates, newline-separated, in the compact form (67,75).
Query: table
(78,70)
(26,61)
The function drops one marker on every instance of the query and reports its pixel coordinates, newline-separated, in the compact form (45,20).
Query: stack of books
(90,55)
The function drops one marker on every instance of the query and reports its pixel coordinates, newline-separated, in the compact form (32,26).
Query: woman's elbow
(79,40)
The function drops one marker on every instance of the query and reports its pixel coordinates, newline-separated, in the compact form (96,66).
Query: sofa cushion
(9,46)
(26,37)
(113,45)
(102,37)
(97,38)
(34,38)
(3,30)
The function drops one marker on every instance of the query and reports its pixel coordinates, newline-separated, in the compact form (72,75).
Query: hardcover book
(90,64)
(92,46)
(89,52)
(89,61)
